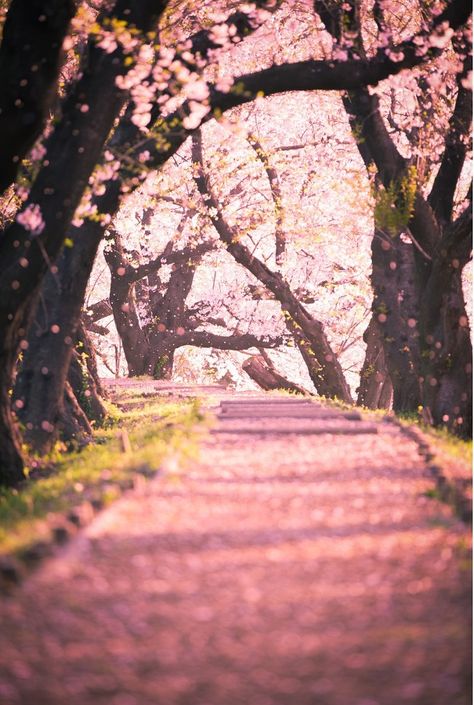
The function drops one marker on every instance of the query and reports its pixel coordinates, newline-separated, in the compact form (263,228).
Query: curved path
(298,563)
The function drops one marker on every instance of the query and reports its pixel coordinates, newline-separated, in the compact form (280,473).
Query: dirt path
(299,563)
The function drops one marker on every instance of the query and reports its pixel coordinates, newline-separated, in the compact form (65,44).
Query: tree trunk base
(11,461)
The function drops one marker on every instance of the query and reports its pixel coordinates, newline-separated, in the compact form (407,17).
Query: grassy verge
(137,441)
(442,442)
(450,461)
(448,457)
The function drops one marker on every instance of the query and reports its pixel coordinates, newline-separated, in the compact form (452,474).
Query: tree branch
(95,312)
(441,197)
(322,363)
(243,341)
(299,76)
(275,188)
(376,146)
(133,274)
(457,240)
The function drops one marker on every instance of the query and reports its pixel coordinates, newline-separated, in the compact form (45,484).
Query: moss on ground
(136,441)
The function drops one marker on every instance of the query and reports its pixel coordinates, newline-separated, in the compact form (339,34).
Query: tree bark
(75,426)
(375,389)
(396,307)
(170,311)
(417,286)
(446,369)
(83,387)
(52,337)
(11,459)
(122,300)
(31,55)
(90,351)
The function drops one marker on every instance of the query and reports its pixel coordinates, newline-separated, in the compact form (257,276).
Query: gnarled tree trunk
(375,388)
(446,368)
(84,380)
(76,429)
(52,339)
(418,295)
(73,149)
(396,308)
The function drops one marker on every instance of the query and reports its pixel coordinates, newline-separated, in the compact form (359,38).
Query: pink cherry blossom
(108,43)
(31,219)
(224,83)
(197,90)
(38,152)
(194,119)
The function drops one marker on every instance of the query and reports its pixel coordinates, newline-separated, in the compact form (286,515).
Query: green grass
(157,430)
(441,439)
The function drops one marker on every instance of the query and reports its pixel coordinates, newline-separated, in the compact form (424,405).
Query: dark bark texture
(375,388)
(149,348)
(53,337)
(30,60)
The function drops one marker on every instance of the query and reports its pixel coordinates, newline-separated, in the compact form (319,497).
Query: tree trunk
(136,346)
(447,351)
(75,427)
(323,366)
(52,337)
(84,388)
(73,150)
(375,389)
(170,310)
(267,377)
(90,351)
(395,307)
(430,357)
(11,460)
(135,342)
(163,358)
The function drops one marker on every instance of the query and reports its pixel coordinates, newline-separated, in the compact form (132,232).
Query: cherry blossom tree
(131,104)
(34,239)
(422,237)
(167,322)
(323,367)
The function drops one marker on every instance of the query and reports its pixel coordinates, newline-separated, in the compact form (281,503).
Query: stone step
(295,426)
(299,412)
(266,400)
